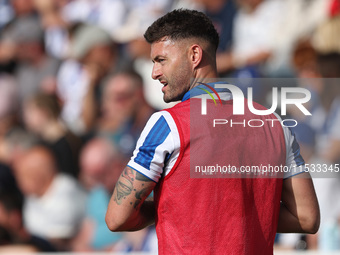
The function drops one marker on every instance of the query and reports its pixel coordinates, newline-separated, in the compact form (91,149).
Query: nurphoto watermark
(244,128)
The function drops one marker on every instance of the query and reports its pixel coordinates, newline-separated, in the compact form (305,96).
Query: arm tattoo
(141,177)
(139,195)
(124,185)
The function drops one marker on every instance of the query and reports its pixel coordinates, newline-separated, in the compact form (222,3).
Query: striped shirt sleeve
(157,148)
(294,160)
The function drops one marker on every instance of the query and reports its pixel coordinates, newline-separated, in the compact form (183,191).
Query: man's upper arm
(156,151)
(157,148)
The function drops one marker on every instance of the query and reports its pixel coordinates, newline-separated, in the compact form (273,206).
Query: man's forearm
(299,211)
(148,211)
(288,223)
(142,219)
(130,208)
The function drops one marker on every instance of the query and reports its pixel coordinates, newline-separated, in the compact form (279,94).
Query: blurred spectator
(15,143)
(54,202)
(55,27)
(254,31)
(106,14)
(101,165)
(317,135)
(144,240)
(71,88)
(222,14)
(11,202)
(138,16)
(290,241)
(304,17)
(326,121)
(41,114)
(124,110)
(23,8)
(35,71)
(326,38)
(304,62)
(94,56)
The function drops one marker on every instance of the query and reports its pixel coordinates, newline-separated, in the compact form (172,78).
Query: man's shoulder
(178,109)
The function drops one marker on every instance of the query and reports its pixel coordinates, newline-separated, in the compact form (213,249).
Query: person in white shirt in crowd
(54,202)
(264,36)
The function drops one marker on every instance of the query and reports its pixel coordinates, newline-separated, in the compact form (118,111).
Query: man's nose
(156,71)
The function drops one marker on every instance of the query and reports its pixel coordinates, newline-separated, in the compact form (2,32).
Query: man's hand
(128,209)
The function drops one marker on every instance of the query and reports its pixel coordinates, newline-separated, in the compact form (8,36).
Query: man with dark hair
(185,28)
(207,215)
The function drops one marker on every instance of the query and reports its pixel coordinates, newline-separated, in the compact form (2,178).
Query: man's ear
(195,54)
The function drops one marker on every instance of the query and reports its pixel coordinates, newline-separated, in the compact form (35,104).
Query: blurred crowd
(76,91)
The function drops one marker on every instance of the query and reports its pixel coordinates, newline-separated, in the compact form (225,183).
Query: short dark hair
(182,24)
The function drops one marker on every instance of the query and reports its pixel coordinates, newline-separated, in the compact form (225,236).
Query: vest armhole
(181,151)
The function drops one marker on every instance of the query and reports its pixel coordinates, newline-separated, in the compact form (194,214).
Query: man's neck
(204,76)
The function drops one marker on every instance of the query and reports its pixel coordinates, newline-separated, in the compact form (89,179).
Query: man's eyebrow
(156,59)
